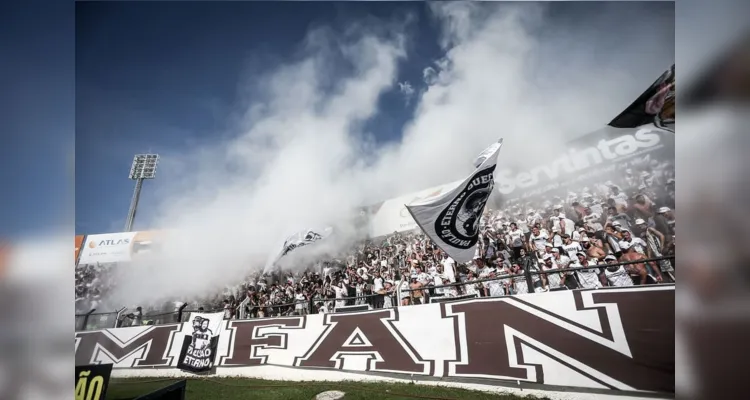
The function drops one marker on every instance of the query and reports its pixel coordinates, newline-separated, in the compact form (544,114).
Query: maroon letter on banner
(153,339)
(363,333)
(245,341)
(647,328)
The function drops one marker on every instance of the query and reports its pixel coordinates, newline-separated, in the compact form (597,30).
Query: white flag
(208,324)
(452,219)
(487,152)
(297,240)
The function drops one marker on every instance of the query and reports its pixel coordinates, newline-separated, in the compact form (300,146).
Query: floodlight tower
(144,167)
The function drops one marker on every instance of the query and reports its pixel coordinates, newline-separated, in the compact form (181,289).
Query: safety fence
(390,298)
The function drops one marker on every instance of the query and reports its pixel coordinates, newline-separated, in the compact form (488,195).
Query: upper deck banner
(118,247)
(643,133)
(107,248)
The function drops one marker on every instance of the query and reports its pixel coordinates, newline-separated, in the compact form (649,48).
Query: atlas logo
(108,242)
(458,224)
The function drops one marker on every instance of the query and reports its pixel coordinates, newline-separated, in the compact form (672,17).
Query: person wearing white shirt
(559,260)
(571,247)
(431,269)
(378,285)
(636,243)
(557,241)
(593,221)
(533,218)
(538,240)
(340,290)
(515,239)
(403,291)
(470,288)
(449,291)
(300,303)
(449,267)
(552,279)
(521,224)
(578,234)
(484,272)
(494,288)
(359,289)
(519,285)
(616,274)
(588,278)
(422,277)
(554,223)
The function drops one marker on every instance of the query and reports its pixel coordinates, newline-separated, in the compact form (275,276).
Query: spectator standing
(646,274)
(616,274)
(588,278)
(516,239)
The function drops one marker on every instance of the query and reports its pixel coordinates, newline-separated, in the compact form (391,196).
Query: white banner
(198,351)
(392,215)
(297,240)
(452,220)
(206,324)
(107,248)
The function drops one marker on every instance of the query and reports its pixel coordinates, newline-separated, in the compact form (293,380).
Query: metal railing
(529,280)
(245,310)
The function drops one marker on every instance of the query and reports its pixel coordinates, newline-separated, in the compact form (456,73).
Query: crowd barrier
(617,339)
(93,321)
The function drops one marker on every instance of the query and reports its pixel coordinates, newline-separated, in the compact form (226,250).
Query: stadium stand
(613,233)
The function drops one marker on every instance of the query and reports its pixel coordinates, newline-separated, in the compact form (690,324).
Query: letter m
(126,347)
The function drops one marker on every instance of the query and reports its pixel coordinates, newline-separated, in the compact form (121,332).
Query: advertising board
(107,248)
(117,247)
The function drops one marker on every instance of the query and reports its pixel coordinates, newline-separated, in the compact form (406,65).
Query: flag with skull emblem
(451,220)
(199,346)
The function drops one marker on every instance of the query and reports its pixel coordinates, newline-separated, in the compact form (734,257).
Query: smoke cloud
(301,156)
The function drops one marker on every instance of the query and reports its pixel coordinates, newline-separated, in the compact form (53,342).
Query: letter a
(365,333)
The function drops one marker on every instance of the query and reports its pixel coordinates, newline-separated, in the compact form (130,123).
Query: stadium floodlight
(144,167)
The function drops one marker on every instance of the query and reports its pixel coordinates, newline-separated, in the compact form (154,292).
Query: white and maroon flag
(451,220)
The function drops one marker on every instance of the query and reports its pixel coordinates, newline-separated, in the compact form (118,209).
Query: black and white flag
(490,150)
(297,240)
(451,220)
(199,348)
(655,106)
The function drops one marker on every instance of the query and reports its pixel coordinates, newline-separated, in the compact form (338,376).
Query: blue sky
(165,76)
(36,117)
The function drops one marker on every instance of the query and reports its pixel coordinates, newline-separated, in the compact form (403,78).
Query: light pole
(144,167)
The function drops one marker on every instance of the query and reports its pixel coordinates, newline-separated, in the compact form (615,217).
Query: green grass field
(255,389)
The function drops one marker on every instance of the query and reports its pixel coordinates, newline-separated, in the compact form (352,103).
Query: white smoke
(301,158)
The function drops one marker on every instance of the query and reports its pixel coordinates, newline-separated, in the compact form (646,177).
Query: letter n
(629,348)
(369,333)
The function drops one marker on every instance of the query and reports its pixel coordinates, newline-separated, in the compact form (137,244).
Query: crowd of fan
(594,227)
